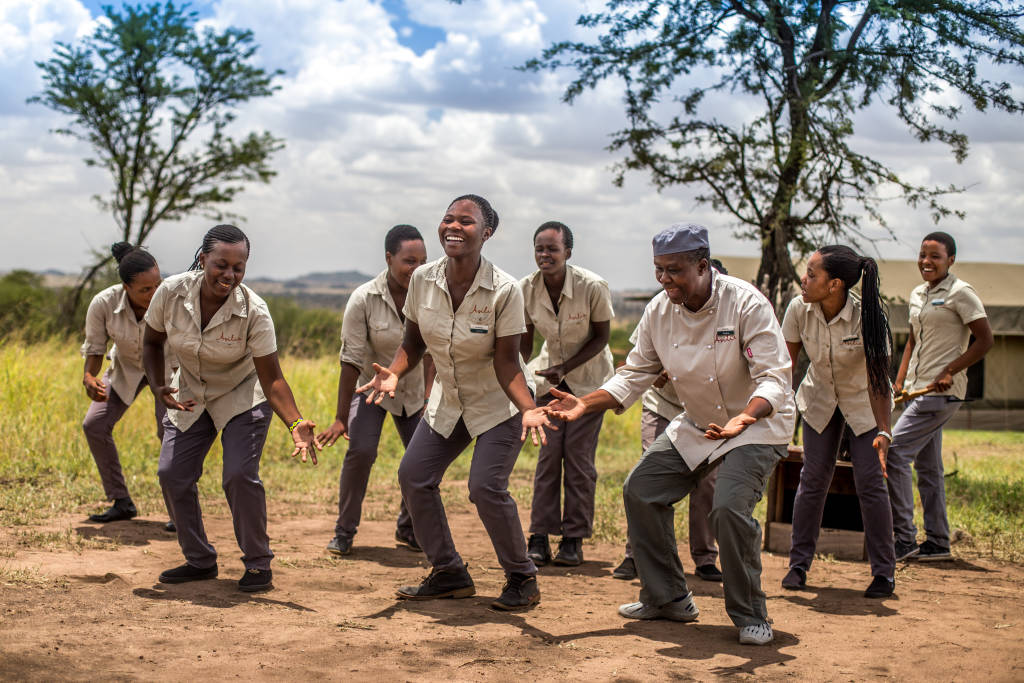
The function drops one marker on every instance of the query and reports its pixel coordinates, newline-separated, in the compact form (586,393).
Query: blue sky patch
(417,37)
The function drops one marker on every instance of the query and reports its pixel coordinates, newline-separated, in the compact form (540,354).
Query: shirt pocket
(576,327)
(226,344)
(435,328)
(385,334)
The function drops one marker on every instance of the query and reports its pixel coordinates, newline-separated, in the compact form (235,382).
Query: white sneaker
(757,634)
(683,610)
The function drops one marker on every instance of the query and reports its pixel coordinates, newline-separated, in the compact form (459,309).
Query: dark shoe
(441,583)
(170,528)
(905,551)
(520,592)
(408,540)
(339,545)
(123,508)
(256,581)
(930,552)
(708,572)
(881,587)
(538,549)
(186,573)
(626,570)
(570,552)
(795,580)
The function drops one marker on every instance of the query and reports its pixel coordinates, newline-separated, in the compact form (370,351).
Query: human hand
(304,440)
(943,382)
(565,406)
(331,434)
(94,388)
(384,383)
(554,374)
(733,427)
(534,421)
(164,394)
(661,380)
(881,446)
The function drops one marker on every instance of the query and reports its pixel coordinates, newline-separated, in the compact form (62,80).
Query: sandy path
(100,614)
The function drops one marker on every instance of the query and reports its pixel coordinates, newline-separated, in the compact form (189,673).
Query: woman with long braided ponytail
(848,342)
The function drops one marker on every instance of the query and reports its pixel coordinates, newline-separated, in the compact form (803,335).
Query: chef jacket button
(675,345)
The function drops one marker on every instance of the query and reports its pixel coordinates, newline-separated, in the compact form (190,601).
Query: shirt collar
(484,275)
(944,286)
(188,288)
(845,313)
(122,301)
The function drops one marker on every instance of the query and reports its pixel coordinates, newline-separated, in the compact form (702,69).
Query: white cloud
(378,135)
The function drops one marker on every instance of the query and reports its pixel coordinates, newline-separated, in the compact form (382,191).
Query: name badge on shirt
(725,334)
(479,329)
(853,340)
(938,302)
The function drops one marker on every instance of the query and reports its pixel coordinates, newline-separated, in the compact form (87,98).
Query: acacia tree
(788,173)
(154,97)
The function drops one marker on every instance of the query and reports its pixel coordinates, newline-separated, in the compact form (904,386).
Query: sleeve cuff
(623,391)
(774,395)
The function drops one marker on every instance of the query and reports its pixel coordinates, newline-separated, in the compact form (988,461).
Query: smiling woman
(228,381)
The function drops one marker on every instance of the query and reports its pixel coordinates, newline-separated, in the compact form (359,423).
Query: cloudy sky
(390,108)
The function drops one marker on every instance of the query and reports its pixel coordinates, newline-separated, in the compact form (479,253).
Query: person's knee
(95,427)
(236,477)
(482,489)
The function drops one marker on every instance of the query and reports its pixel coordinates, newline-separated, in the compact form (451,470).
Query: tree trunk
(776,277)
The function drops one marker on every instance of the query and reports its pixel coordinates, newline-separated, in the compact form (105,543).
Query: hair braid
(228,234)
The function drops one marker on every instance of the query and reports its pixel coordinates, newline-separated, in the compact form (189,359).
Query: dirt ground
(99,614)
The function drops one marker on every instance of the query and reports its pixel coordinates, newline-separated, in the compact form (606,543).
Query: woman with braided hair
(848,342)
(468,315)
(117,315)
(229,381)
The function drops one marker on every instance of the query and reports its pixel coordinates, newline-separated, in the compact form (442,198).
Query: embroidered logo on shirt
(228,340)
(725,334)
(750,354)
(577,316)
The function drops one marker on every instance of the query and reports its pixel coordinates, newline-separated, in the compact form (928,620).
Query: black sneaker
(520,592)
(538,549)
(408,540)
(931,552)
(123,508)
(441,583)
(339,545)
(186,573)
(905,551)
(881,587)
(256,580)
(570,552)
(626,570)
(795,579)
(708,572)
(170,528)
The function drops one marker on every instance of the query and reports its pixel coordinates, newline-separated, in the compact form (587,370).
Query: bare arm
(513,383)
(408,355)
(794,353)
(429,373)
(901,374)
(526,343)
(153,363)
(599,335)
(279,395)
(983,341)
(346,389)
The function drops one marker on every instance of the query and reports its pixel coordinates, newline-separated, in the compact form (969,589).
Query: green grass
(46,468)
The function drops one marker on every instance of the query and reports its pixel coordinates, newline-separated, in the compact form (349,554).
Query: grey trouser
(365,422)
(99,433)
(702,539)
(181,465)
(571,450)
(659,481)
(820,452)
(917,438)
(427,458)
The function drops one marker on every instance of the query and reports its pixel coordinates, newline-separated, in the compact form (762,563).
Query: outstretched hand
(330,435)
(384,383)
(305,441)
(534,421)
(164,393)
(565,406)
(733,427)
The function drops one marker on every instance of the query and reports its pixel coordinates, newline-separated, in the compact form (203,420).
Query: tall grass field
(46,469)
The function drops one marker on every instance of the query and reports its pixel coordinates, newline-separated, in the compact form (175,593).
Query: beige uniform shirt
(371,332)
(216,368)
(662,400)
(939,318)
(462,344)
(585,298)
(838,374)
(717,359)
(110,317)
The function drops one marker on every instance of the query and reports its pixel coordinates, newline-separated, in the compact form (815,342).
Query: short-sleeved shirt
(371,332)
(216,368)
(838,374)
(939,318)
(585,299)
(662,401)
(462,344)
(717,358)
(110,317)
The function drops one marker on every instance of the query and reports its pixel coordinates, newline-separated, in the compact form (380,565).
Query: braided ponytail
(850,267)
(228,234)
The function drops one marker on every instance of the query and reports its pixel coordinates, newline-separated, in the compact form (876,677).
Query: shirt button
(675,346)
(709,346)
(719,407)
(674,379)
(711,379)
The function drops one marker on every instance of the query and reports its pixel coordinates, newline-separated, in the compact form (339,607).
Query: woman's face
(462,230)
(224,267)
(411,255)
(681,278)
(142,287)
(815,284)
(933,261)
(550,252)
